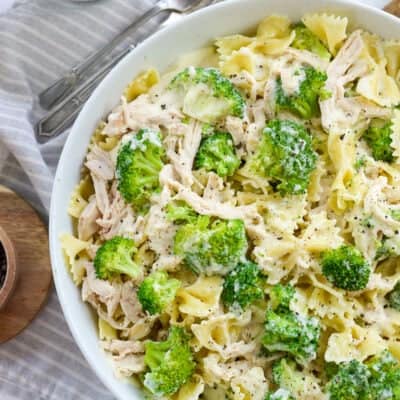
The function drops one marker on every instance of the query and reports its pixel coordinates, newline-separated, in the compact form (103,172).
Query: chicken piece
(100,163)
(339,112)
(87,225)
(130,304)
(100,189)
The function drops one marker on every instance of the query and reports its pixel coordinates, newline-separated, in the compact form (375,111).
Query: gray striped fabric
(39,40)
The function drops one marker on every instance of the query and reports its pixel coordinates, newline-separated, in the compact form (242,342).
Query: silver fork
(64,113)
(62,87)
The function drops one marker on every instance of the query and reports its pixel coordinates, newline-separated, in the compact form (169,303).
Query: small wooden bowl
(11,278)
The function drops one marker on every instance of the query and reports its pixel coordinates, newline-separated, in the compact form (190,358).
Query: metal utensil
(63,115)
(62,87)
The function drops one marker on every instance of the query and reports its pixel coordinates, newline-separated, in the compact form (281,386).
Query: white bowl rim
(53,236)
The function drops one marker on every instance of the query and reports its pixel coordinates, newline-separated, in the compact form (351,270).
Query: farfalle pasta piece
(272,46)
(191,390)
(222,335)
(201,299)
(373,51)
(239,60)
(321,233)
(391,49)
(73,249)
(228,44)
(329,28)
(379,87)
(354,344)
(274,26)
(396,135)
(141,84)
(252,385)
(79,197)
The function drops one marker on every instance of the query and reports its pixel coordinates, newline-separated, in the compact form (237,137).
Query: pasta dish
(237,219)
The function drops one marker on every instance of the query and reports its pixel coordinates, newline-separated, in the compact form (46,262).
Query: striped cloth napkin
(39,40)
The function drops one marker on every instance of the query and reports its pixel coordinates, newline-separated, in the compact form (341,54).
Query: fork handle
(64,113)
(60,88)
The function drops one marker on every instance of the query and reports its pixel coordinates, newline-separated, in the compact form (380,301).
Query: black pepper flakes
(3,265)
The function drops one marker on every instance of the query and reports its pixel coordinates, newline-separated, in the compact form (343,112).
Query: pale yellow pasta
(351,197)
(192,389)
(379,87)
(330,29)
(141,84)
(275,26)
(228,44)
(201,299)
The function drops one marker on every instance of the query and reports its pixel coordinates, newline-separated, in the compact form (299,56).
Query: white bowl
(160,51)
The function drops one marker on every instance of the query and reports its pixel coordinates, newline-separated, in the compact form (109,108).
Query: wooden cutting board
(393,7)
(30,238)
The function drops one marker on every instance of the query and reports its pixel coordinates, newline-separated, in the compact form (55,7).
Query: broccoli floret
(139,163)
(351,382)
(306,40)
(209,248)
(288,377)
(379,138)
(171,363)
(303,103)
(243,285)
(157,291)
(385,377)
(394,297)
(377,379)
(346,268)
(285,156)
(180,212)
(217,153)
(281,296)
(290,332)
(208,96)
(114,257)
(280,394)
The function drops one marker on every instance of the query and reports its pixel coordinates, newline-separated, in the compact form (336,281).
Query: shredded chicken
(87,225)
(339,112)
(129,302)
(98,290)
(99,163)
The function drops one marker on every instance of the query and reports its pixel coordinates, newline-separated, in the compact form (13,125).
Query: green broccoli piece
(208,96)
(385,377)
(346,268)
(288,331)
(285,156)
(243,285)
(379,139)
(209,248)
(394,297)
(288,377)
(292,333)
(157,291)
(377,379)
(114,257)
(351,382)
(303,103)
(395,214)
(281,296)
(139,163)
(180,212)
(306,40)
(217,153)
(280,394)
(170,362)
